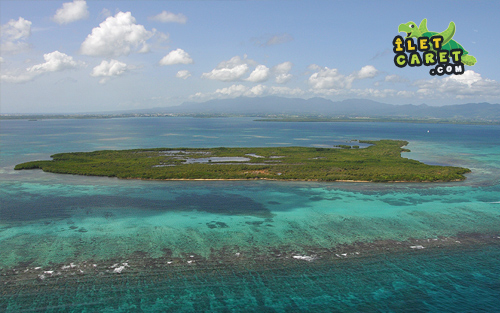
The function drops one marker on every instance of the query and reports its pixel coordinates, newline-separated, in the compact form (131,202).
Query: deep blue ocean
(95,244)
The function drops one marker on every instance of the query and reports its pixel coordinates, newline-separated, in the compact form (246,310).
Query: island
(378,161)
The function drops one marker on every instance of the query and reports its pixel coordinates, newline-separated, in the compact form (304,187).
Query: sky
(97,56)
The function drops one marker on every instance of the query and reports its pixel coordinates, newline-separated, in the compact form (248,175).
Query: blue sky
(87,56)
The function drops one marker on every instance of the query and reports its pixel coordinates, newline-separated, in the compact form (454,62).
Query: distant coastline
(260,118)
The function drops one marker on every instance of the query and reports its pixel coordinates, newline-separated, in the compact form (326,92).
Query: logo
(431,49)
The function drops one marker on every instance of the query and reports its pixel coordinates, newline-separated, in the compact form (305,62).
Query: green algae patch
(380,162)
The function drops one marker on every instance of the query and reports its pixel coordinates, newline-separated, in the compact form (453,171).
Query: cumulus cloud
(240,90)
(16,79)
(283,78)
(331,79)
(169,17)
(235,61)
(468,85)
(13,34)
(232,91)
(178,56)
(54,62)
(258,90)
(71,12)
(15,30)
(281,70)
(227,74)
(230,70)
(468,78)
(260,74)
(110,69)
(368,71)
(285,91)
(117,35)
(184,74)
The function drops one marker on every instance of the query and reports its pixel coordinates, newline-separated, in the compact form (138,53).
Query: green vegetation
(344,146)
(380,162)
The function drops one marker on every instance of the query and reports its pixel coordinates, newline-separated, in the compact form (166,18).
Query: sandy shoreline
(285,180)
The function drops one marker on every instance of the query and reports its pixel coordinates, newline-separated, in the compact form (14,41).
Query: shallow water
(50,220)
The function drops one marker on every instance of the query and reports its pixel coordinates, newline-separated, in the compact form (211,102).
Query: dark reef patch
(228,204)
(255,223)
(316,198)
(55,207)
(214,224)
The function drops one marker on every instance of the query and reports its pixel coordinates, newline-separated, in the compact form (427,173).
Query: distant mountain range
(325,107)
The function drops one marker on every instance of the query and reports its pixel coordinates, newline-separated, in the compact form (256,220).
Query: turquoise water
(231,245)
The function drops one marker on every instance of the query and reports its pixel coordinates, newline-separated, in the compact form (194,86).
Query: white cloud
(285,91)
(283,78)
(257,90)
(1,60)
(178,56)
(54,62)
(240,90)
(281,70)
(15,30)
(405,94)
(368,71)
(116,36)
(16,79)
(232,91)
(13,34)
(467,78)
(106,70)
(235,61)
(468,85)
(330,79)
(260,74)
(184,74)
(71,12)
(230,70)
(169,17)
(227,74)
(395,79)
(327,78)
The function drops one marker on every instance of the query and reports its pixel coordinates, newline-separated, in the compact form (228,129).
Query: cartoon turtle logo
(412,31)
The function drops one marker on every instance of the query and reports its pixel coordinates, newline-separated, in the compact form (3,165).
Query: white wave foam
(417,247)
(304,257)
